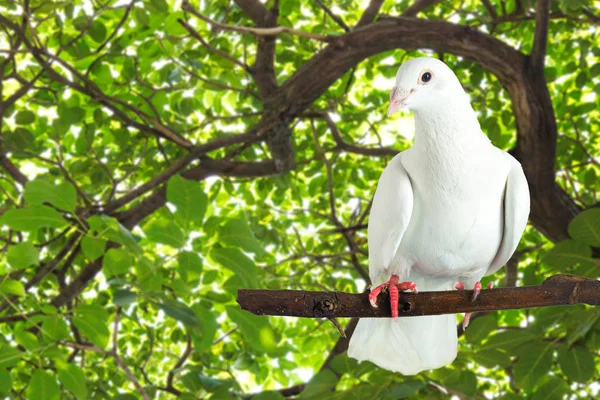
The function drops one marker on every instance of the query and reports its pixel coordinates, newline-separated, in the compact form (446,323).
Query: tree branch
(332,15)
(370,13)
(252,8)
(540,40)
(12,169)
(343,145)
(554,291)
(258,32)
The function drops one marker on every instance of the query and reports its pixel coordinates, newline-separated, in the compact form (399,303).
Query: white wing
(389,218)
(516,213)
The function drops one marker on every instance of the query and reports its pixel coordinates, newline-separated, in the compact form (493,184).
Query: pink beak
(397,99)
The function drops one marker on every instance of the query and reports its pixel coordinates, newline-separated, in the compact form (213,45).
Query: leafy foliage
(138,195)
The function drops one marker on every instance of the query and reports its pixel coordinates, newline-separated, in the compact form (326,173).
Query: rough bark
(556,290)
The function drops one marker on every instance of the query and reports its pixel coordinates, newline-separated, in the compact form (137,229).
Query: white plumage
(451,208)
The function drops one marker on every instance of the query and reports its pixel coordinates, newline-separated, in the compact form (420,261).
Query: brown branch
(540,40)
(119,26)
(11,169)
(332,15)
(177,167)
(554,291)
(490,9)
(212,49)
(342,144)
(186,354)
(252,8)
(370,13)
(258,32)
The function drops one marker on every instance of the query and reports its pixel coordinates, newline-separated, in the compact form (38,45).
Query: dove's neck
(449,128)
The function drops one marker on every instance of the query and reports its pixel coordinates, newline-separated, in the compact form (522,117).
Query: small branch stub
(554,291)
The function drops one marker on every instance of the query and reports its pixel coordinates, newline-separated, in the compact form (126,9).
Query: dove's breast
(457,220)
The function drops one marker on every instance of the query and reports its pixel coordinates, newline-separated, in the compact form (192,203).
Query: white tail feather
(409,346)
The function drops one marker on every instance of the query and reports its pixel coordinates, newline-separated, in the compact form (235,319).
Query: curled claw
(476,291)
(408,286)
(394,288)
(373,295)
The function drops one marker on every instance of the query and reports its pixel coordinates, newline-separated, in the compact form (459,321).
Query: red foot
(476,290)
(393,286)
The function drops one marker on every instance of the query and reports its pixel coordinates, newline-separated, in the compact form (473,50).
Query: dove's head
(422,83)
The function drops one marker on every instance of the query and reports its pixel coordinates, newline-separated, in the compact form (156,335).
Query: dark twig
(332,15)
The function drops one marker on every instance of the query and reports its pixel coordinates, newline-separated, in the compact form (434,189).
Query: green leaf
(165,232)
(257,330)
(237,233)
(124,297)
(179,311)
(55,329)
(9,356)
(161,5)
(584,327)
(189,265)
(480,329)
(553,389)
(510,339)
(466,383)
(73,379)
(577,363)
(585,227)
(148,277)
(98,31)
(25,117)
(27,339)
(141,16)
(92,246)
(342,363)
(320,386)
(5,380)
(21,139)
(243,267)
(568,253)
(492,358)
(188,197)
(12,287)
(23,255)
(116,262)
(40,191)
(43,385)
(33,218)
(93,328)
(535,360)
(204,334)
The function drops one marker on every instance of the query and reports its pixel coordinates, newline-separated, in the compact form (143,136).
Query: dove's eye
(426,77)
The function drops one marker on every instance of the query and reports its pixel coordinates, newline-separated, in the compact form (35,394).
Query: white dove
(446,212)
